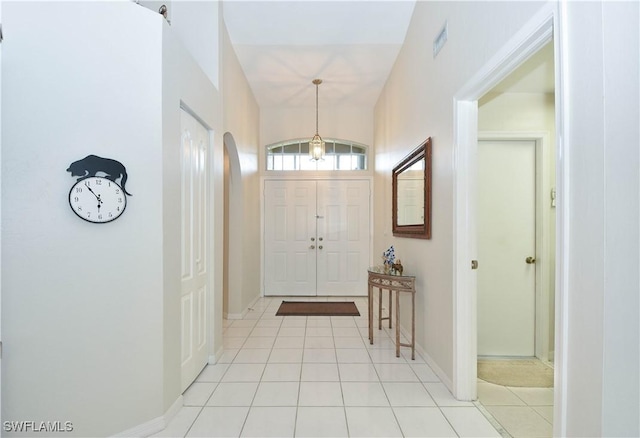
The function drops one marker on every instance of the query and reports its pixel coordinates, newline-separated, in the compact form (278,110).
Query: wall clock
(98,199)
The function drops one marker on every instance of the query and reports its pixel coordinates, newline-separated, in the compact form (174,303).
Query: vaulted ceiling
(283,45)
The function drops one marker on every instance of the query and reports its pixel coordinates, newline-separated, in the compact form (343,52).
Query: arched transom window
(339,155)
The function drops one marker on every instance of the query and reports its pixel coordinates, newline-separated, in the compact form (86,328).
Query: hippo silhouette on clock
(92,164)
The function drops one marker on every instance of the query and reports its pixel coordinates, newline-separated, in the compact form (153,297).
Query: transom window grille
(339,155)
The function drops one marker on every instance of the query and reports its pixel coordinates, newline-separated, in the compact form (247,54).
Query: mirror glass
(412,194)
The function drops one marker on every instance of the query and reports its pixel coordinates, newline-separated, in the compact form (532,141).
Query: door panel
(290,262)
(194,252)
(506,237)
(316,237)
(344,227)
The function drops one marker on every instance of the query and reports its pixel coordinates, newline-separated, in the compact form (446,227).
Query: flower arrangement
(389,257)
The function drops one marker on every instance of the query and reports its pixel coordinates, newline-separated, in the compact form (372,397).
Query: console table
(393,283)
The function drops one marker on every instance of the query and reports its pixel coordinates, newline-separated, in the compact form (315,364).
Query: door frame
(541,28)
(542,229)
(296,176)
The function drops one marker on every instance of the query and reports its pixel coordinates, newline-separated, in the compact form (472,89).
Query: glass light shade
(316,148)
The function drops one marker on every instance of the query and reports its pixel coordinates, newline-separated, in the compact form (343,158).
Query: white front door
(343,237)
(316,237)
(194,254)
(290,237)
(506,237)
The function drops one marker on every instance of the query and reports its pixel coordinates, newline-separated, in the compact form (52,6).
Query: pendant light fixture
(316,144)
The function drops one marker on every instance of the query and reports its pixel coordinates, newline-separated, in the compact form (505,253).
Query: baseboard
(244,312)
(432,364)
(153,426)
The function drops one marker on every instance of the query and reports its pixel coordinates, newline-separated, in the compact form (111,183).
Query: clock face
(97,199)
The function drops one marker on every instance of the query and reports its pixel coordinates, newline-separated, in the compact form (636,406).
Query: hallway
(318,376)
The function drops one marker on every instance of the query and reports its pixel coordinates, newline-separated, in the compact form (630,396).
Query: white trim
(156,425)
(533,35)
(563,220)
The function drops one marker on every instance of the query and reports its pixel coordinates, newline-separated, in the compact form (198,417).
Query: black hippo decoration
(92,164)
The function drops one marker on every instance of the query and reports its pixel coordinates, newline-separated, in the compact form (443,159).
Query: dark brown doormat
(318,308)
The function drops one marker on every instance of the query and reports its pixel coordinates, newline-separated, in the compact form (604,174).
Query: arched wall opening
(233,220)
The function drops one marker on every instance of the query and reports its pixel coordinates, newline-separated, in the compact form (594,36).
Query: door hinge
(0,349)
(474,264)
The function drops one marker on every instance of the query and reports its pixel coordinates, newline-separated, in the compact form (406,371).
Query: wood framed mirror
(412,194)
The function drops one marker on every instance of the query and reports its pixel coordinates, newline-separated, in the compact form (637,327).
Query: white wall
(82,303)
(195,23)
(241,125)
(417,103)
(600,311)
(91,321)
(601,73)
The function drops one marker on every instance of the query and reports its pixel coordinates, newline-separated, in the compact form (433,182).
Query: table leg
(413,326)
(397,323)
(370,302)
(390,307)
(380,309)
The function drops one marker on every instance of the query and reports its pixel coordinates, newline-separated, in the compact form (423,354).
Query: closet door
(290,237)
(194,254)
(343,237)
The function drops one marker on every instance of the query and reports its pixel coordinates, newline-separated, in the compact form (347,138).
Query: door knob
(530,260)
(312,247)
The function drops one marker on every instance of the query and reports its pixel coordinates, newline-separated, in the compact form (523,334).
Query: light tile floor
(319,376)
(522,412)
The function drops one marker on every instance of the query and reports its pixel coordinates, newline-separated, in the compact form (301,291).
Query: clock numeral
(76,199)
(98,182)
(117,191)
(118,209)
(120,200)
(99,216)
(110,215)
(78,189)
(79,208)
(89,214)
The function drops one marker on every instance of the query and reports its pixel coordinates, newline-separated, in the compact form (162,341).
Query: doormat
(529,373)
(318,308)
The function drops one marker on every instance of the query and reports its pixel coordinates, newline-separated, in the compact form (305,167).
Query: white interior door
(316,237)
(506,237)
(290,237)
(343,237)
(195,287)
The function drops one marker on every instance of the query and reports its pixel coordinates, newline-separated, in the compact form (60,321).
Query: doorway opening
(515,231)
(534,36)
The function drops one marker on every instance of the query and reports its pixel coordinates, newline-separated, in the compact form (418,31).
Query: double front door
(317,237)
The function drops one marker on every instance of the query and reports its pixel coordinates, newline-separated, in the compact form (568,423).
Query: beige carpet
(529,373)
